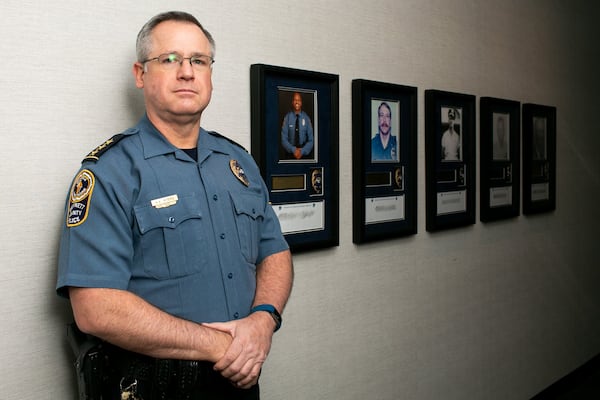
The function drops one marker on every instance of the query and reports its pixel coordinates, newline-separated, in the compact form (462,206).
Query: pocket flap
(249,204)
(149,217)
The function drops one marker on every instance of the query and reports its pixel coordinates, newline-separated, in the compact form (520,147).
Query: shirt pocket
(249,214)
(171,238)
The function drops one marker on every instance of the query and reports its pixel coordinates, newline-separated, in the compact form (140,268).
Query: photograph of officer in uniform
(385,119)
(500,137)
(538,145)
(298,136)
(451,139)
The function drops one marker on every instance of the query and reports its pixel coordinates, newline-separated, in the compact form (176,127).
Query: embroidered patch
(79,198)
(238,171)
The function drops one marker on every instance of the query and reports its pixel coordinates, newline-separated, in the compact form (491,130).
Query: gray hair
(143,42)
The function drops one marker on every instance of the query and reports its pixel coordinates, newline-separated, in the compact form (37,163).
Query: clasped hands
(298,153)
(248,350)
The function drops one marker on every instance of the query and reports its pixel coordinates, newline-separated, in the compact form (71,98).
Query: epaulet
(216,134)
(95,154)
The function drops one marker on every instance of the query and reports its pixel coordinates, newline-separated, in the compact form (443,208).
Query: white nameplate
(540,191)
(451,202)
(500,196)
(301,217)
(384,209)
(164,202)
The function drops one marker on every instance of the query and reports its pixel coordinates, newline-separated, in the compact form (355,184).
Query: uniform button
(230,275)
(222,236)
(253,211)
(215,197)
(236,315)
(171,219)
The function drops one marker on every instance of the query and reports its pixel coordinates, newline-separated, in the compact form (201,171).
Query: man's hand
(298,153)
(251,343)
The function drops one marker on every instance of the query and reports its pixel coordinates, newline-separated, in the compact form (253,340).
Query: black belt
(156,378)
(162,379)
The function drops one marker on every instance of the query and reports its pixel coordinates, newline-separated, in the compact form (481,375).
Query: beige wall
(491,311)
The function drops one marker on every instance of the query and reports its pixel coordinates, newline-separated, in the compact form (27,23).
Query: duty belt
(159,376)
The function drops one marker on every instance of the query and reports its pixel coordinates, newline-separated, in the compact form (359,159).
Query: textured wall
(489,311)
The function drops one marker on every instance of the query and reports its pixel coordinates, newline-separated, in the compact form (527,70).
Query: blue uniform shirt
(185,236)
(305,133)
(379,153)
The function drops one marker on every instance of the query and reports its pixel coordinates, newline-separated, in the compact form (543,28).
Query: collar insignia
(95,154)
(238,171)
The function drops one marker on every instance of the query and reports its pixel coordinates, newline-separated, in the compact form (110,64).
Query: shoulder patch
(226,138)
(79,198)
(95,154)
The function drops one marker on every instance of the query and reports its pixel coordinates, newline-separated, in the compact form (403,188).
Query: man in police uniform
(297,137)
(384,146)
(451,148)
(170,252)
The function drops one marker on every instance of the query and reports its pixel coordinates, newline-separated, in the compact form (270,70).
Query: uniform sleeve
(271,239)
(285,142)
(96,248)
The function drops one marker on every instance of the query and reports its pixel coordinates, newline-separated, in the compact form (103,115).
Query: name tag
(164,202)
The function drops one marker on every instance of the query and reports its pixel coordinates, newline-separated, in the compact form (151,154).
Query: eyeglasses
(170,61)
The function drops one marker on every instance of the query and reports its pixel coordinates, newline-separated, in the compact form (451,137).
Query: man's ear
(138,74)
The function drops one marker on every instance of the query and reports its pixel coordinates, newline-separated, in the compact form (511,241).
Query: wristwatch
(272,311)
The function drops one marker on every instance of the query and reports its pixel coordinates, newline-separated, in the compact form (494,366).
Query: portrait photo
(385,130)
(538,143)
(451,139)
(500,137)
(298,141)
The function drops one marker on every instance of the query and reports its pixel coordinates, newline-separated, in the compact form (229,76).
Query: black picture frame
(499,158)
(384,178)
(539,158)
(304,191)
(449,159)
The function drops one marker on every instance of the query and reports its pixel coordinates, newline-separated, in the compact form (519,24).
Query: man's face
(451,117)
(385,120)
(297,103)
(183,92)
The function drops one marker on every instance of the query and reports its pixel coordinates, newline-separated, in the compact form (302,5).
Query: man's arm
(126,320)
(252,335)
(274,277)
(285,142)
(308,146)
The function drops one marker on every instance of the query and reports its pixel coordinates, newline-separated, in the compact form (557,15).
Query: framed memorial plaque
(384,155)
(294,138)
(449,159)
(500,150)
(539,158)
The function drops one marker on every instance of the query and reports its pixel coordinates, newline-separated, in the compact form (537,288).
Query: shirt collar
(155,144)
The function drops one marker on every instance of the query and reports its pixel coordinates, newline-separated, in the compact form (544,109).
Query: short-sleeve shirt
(305,133)
(378,153)
(184,235)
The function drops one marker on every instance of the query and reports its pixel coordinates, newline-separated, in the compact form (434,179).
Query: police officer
(297,137)
(170,252)
(384,146)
